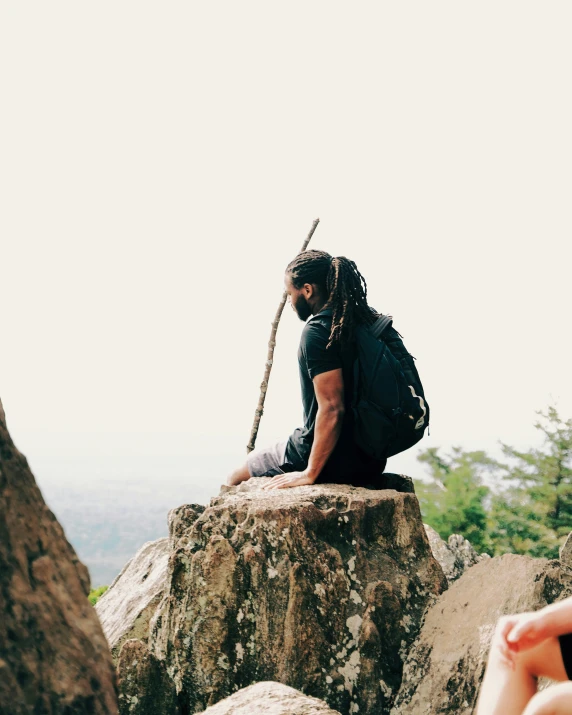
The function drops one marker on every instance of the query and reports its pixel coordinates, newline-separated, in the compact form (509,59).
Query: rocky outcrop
(566,554)
(321,588)
(445,667)
(53,654)
(455,555)
(128,604)
(144,686)
(270,699)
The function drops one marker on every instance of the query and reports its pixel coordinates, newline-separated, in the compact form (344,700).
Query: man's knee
(555,700)
(238,476)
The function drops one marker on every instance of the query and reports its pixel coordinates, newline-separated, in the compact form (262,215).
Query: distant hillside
(107,522)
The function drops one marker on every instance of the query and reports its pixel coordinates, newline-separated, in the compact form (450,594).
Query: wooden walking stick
(271,345)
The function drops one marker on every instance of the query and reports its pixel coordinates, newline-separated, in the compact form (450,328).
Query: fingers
(506,653)
(506,631)
(283,481)
(506,625)
(277,482)
(521,630)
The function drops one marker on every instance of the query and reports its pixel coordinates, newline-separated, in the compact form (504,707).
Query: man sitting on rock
(334,293)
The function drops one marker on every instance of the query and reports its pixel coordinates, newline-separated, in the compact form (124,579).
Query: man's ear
(308,290)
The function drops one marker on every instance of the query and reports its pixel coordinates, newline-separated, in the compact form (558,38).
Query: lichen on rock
(144,686)
(321,588)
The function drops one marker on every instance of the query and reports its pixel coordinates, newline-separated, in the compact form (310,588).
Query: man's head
(315,280)
(306,287)
(300,298)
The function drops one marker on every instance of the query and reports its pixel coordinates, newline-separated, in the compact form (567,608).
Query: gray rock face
(320,587)
(128,604)
(270,699)
(566,554)
(445,667)
(53,654)
(455,555)
(144,686)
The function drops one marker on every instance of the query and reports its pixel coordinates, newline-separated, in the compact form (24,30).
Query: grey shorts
(268,461)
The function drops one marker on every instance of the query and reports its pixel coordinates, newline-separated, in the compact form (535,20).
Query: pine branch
(269,359)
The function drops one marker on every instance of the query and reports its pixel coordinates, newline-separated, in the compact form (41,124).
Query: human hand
(284,481)
(520,632)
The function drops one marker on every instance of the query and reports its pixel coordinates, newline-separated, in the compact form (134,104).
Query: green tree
(96,593)
(532,511)
(455,500)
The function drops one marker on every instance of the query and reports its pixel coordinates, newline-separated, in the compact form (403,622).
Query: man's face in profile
(298,300)
(303,310)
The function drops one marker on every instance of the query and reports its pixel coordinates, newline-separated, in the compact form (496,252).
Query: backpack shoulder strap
(380,325)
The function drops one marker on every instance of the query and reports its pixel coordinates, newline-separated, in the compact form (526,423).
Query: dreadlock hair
(344,286)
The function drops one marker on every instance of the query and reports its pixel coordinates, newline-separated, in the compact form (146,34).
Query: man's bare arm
(329,388)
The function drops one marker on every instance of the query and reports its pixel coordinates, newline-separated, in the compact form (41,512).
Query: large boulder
(320,587)
(270,699)
(445,667)
(128,604)
(54,656)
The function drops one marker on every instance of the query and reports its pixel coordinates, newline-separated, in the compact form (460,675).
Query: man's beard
(303,310)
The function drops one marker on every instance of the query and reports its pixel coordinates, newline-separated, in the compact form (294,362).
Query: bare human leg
(556,700)
(239,475)
(506,690)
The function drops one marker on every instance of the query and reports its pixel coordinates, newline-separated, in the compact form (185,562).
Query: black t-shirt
(347,463)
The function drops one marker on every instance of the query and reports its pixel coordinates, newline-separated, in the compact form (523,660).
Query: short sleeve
(317,358)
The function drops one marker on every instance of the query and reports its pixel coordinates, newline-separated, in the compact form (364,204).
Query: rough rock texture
(321,588)
(126,607)
(566,554)
(270,699)
(53,654)
(445,667)
(144,687)
(455,555)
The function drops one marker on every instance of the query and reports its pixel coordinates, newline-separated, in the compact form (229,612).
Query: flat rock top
(252,491)
(269,698)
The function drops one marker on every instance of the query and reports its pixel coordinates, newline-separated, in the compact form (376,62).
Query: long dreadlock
(344,286)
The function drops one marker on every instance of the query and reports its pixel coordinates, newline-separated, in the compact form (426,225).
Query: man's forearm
(327,431)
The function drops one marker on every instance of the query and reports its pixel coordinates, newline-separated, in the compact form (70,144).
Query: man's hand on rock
(284,481)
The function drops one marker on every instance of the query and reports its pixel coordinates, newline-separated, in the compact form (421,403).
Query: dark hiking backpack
(389,407)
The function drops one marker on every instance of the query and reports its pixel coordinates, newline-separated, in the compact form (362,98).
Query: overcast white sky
(162,162)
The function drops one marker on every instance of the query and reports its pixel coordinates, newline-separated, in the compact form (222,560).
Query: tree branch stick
(269,358)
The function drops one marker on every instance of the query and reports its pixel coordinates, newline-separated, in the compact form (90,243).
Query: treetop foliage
(522,504)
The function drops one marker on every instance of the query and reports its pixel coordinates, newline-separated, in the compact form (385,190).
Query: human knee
(238,476)
(232,479)
(555,700)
